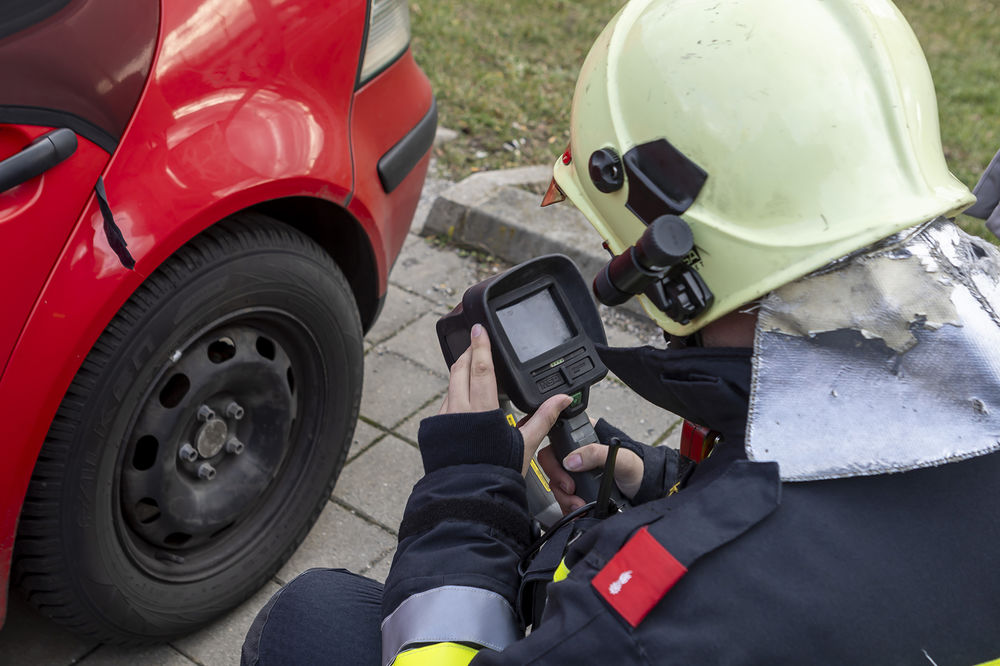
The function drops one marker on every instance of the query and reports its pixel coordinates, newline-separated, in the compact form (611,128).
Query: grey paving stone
(620,338)
(30,638)
(162,655)
(401,307)
(485,212)
(443,135)
(673,438)
(623,408)
(626,330)
(378,483)
(395,388)
(380,569)
(409,428)
(440,275)
(432,188)
(419,342)
(219,644)
(364,435)
(338,539)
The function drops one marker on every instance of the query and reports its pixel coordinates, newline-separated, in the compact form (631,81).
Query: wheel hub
(190,477)
(211,437)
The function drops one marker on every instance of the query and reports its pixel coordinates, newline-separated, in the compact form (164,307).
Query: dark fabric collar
(707,386)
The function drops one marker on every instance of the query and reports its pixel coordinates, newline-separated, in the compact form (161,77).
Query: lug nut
(234,411)
(206,471)
(187,453)
(234,446)
(205,413)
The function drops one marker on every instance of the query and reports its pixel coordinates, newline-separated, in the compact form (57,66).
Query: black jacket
(883,570)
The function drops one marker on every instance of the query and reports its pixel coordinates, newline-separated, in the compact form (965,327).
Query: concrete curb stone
(490,212)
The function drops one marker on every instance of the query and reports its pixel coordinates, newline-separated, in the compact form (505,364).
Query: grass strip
(504,72)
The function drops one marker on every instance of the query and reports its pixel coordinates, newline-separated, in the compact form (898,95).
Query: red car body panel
(375,107)
(193,153)
(36,217)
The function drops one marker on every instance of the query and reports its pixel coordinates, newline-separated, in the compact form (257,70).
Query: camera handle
(566,436)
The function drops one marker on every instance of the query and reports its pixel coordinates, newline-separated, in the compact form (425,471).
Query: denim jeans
(324,616)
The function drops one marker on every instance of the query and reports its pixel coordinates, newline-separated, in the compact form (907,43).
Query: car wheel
(199,440)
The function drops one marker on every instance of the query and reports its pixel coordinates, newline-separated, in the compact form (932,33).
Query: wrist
(470,438)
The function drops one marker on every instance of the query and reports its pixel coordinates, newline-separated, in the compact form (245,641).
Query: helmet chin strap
(884,363)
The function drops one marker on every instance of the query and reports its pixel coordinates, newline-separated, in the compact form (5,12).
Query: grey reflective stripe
(450,613)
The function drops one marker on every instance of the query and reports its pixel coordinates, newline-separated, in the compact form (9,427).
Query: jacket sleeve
(452,587)
(450,594)
(660,463)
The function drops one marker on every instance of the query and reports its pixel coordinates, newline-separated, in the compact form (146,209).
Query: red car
(200,202)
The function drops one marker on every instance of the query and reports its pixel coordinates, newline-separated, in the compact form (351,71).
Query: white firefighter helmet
(785,133)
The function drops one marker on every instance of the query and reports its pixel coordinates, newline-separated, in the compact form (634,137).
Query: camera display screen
(534,325)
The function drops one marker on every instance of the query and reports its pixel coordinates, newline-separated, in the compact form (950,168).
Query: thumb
(537,427)
(587,457)
(629,467)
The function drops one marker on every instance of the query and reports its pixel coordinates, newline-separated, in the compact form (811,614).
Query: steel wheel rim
(178,525)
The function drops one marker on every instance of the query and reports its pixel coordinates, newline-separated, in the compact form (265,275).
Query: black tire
(120,538)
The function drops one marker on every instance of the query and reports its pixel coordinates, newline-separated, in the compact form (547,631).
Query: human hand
(628,471)
(472,387)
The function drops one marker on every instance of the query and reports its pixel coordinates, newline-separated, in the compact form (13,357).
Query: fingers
(538,424)
(558,477)
(457,399)
(587,457)
(472,385)
(567,503)
(482,379)
(560,481)
(629,467)
(628,471)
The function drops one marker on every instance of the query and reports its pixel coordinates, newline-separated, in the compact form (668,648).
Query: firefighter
(832,324)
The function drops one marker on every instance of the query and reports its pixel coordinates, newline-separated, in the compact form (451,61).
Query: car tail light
(388,35)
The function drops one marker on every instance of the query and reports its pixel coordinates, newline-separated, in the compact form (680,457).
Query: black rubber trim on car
(399,161)
(33,115)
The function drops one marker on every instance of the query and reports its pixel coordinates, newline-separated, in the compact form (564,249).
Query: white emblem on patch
(616,586)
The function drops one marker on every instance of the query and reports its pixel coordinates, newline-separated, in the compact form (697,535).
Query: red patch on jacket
(638,576)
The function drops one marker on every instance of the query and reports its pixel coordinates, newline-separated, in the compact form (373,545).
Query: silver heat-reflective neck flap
(884,362)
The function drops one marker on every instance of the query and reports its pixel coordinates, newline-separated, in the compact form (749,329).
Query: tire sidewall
(319,295)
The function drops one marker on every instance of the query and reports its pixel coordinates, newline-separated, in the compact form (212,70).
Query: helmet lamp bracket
(682,294)
(660,266)
(661,180)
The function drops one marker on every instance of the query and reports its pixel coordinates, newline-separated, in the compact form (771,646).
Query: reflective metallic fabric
(885,361)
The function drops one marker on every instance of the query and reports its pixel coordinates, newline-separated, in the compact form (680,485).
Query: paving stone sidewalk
(405,380)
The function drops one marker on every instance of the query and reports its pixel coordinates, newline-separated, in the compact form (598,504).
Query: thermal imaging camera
(543,324)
